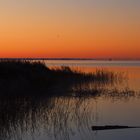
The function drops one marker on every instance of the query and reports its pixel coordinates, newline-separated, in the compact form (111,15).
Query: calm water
(71,118)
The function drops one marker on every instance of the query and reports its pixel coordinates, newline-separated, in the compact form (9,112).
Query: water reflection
(60,117)
(111,90)
(57,117)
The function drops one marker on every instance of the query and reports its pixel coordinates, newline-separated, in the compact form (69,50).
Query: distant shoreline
(101,59)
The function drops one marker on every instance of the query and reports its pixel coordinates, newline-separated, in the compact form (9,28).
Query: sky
(70,28)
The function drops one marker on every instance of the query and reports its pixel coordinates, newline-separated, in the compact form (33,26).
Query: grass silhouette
(21,77)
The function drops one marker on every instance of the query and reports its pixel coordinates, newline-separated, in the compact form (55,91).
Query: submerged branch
(111,127)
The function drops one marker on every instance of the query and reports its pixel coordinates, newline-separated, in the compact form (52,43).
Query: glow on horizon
(72,28)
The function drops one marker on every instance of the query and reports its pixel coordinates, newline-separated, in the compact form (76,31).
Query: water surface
(71,117)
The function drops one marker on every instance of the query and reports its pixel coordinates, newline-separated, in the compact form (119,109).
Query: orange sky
(90,29)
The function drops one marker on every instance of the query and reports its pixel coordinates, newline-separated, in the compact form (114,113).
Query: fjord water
(71,117)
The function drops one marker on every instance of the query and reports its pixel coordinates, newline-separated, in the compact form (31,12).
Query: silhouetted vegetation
(21,77)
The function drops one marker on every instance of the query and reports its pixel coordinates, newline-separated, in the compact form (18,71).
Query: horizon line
(45,58)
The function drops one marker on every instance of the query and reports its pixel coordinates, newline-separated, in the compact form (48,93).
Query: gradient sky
(70,28)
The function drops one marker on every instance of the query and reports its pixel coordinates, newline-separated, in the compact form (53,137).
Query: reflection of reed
(96,90)
(58,117)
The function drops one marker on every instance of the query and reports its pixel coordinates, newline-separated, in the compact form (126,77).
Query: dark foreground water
(71,117)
